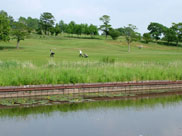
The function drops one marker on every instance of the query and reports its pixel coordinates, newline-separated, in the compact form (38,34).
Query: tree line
(158,32)
(46,25)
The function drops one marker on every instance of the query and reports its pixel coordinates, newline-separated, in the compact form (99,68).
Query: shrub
(114,34)
(147,37)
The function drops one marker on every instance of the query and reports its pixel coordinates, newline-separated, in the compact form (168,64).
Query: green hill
(108,61)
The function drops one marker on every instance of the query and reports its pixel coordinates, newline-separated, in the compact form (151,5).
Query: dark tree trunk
(17,45)
(168,42)
(45,31)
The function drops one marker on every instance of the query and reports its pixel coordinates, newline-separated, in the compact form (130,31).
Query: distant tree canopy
(106,27)
(46,25)
(57,29)
(156,30)
(46,22)
(93,30)
(171,34)
(62,26)
(176,32)
(78,29)
(4,26)
(121,30)
(71,29)
(30,23)
(147,37)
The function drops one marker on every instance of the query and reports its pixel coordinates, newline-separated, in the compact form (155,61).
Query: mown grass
(108,61)
(67,49)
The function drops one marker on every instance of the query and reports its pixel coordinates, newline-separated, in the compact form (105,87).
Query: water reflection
(154,117)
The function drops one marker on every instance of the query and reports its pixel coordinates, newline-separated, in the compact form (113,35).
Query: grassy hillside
(31,64)
(66,49)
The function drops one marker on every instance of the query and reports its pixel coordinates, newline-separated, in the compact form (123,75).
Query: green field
(108,61)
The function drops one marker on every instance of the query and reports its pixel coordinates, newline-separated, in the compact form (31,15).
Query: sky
(122,12)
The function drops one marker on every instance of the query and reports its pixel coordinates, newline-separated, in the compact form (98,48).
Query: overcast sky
(122,12)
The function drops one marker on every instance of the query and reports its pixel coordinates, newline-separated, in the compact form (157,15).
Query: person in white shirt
(81,54)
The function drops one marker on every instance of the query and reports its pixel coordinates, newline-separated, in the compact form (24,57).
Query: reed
(15,73)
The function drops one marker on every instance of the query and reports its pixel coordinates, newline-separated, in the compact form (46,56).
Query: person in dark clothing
(52,53)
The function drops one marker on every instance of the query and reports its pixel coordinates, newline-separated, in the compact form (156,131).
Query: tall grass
(14,73)
(108,60)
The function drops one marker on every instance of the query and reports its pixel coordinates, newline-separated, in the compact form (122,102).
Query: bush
(147,37)
(114,34)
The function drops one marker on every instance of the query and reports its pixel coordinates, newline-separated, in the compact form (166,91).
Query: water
(156,117)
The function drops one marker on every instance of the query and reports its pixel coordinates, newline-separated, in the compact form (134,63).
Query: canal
(143,117)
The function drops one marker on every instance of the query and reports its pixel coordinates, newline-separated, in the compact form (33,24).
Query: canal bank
(124,87)
(31,96)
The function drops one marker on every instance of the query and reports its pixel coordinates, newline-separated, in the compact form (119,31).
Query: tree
(22,20)
(52,30)
(78,29)
(62,26)
(32,24)
(71,28)
(177,28)
(147,37)
(11,20)
(46,22)
(121,30)
(170,35)
(86,29)
(39,29)
(93,30)
(4,26)
(130,34)
(156,30)
(19,32)
(114,34)
(57,29)
(106,26)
